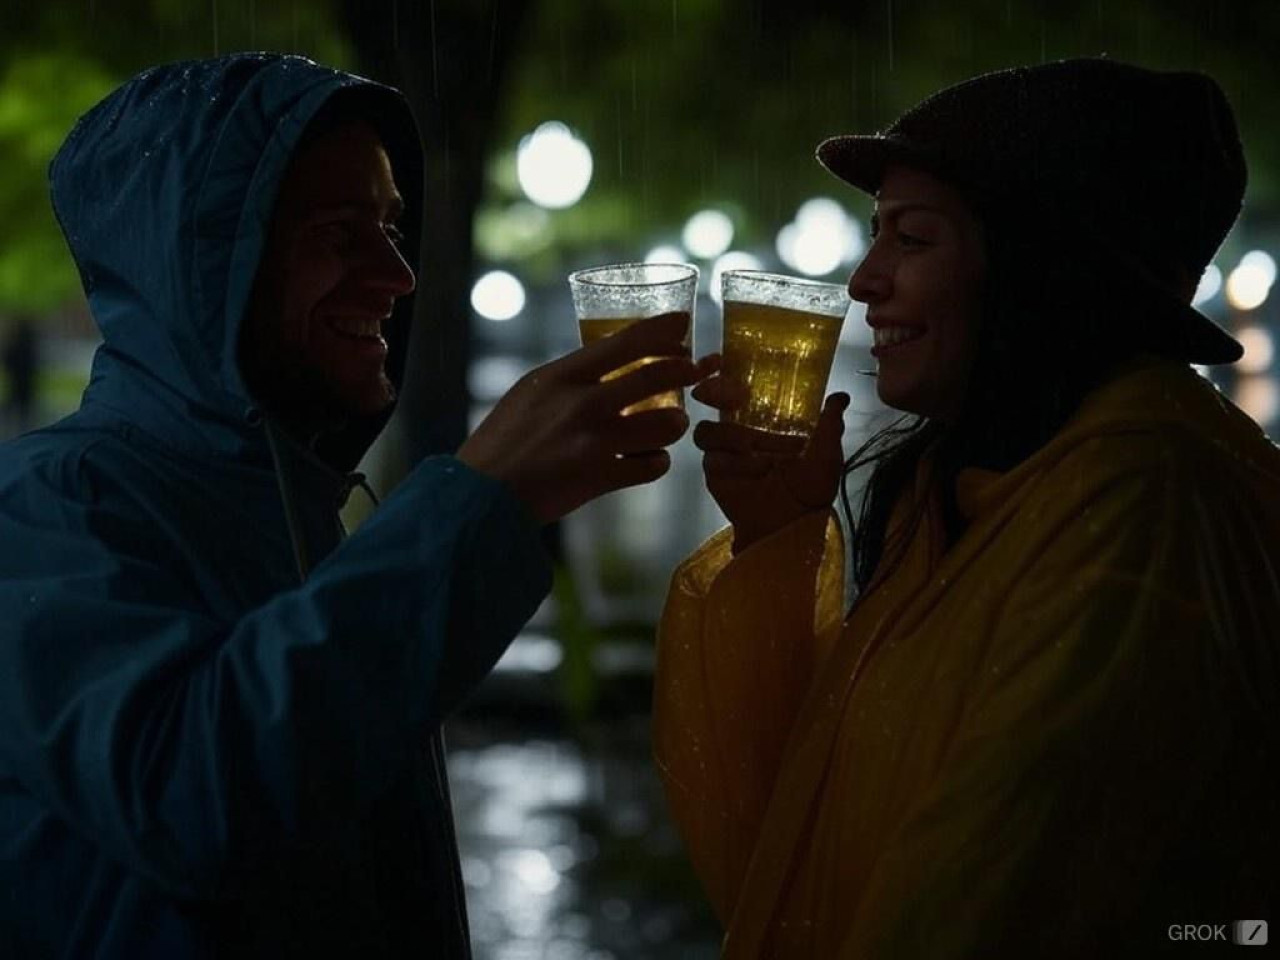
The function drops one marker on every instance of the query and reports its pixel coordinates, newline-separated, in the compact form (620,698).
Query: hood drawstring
(285,484)
(363,483)
(290,505)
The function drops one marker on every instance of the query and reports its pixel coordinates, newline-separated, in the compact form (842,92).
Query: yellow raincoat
(1050,740)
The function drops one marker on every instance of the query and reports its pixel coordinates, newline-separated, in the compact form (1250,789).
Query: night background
(561,135)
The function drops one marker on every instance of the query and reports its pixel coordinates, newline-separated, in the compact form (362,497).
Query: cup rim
(783,279)
(588,276)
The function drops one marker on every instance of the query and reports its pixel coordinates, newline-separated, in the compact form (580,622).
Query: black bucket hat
(1145,166)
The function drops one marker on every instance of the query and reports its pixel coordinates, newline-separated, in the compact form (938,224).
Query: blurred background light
(707,234)
(665,253)
(498,296)
(492,376)
(1259,349)
(534,869)
(733,260)
(553,166)
(821,238)
(513,232)
(1259,397)
(1250,282)
(1210,284)
(1261,261)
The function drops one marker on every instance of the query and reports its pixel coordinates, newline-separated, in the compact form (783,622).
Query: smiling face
(922,283)
(312,347)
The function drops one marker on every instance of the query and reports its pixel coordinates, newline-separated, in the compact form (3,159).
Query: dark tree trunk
(450,58)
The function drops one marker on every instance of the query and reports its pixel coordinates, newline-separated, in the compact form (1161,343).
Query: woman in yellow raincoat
(1048,725)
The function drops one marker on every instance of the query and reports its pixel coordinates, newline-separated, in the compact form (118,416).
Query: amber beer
(780,337)
(596,328)
(610,298)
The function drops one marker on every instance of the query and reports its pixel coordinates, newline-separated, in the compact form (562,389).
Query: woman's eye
(394,233)
(911,240)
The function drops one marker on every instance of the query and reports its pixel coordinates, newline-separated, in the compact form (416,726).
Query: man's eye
(911,240)
(336,235)
(394,233)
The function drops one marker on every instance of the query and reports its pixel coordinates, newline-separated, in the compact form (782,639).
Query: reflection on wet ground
(567,853)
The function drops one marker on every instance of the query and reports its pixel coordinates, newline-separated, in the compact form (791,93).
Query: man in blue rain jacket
(219,720)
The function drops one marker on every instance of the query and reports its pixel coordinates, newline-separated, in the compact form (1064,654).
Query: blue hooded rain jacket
(219,720)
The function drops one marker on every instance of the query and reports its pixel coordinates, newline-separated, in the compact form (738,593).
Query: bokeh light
(820,239)
(554,167)
(1250,282)
(1259,349)
(708,234)
(733,260)
(498,296)
(534,869)
(1259,397)
(665,253)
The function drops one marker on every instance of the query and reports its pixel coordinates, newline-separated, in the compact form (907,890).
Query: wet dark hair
(1056,322)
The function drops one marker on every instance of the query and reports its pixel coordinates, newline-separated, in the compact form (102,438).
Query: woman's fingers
(825,441)
(720,392)
(734,437)
(722,464)
(814,478)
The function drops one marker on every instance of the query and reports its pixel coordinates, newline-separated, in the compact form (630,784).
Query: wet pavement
(567,852)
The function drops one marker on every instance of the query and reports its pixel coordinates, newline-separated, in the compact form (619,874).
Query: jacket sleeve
(738,643)
(1096,790)
(190,751)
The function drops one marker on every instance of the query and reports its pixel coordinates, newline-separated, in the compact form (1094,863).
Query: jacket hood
(165,192)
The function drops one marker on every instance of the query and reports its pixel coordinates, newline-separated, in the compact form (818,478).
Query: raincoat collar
(1150,393)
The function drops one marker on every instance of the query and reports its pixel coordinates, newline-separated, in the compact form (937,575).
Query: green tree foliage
(59,58)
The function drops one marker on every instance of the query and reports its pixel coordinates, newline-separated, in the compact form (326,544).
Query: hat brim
(861,162)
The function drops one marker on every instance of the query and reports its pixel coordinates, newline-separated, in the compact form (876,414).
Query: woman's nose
(868,282)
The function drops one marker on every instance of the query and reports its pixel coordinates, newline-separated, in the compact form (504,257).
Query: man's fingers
(636,469)
(646,431)
(660,376)
(721,393)
(662,336)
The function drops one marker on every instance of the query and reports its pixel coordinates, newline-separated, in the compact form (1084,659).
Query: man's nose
(391,272)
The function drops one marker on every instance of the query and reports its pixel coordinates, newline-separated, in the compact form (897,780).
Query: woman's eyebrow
(895,208)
